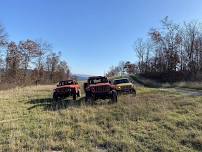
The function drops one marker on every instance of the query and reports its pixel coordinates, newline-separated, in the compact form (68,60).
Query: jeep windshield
(98,80)
(62,83)
(121,81)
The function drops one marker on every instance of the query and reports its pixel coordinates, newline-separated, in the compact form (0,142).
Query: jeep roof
(97,79)
(121,80)
(66,82)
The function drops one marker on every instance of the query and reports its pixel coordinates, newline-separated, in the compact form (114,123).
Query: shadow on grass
(51,105)
(146,82)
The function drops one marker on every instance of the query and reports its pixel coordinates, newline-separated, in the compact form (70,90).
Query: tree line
(29,61)
(172,52)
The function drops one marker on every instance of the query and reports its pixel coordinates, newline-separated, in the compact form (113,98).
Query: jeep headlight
(119,88)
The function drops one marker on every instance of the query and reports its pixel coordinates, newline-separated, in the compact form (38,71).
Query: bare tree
(130,68)
(114,71)
(140,49)
(167,44)
(192,46)
(13,61)
(3,43)
(3,36)
(39,72)
(62,72)
(52,64)
(29,50)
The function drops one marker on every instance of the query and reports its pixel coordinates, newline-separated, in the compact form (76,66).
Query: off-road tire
(133,92)
(89,99)
(74,96)
(118,93)
(55,96)
(78,93)
(114,97)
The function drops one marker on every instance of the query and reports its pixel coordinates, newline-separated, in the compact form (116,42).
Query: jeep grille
(126,87)
(63,90)
(100,89)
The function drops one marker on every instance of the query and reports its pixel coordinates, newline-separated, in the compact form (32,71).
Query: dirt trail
(189,92)
(185,91)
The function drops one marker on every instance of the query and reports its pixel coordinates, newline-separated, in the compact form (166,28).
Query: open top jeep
(67,88)
(99,87)
(123,85)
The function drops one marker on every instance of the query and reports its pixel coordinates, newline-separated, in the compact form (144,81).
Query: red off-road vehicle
(67,88)
(99,87)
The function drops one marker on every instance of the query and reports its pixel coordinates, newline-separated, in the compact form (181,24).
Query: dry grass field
(154,120)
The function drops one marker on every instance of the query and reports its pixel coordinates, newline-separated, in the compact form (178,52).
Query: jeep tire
(55,96)
(133,92)
(89,99)
(114,97)
(78,93)
(74,96)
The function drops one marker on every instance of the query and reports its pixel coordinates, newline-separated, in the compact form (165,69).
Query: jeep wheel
(55,96)
(89,99)
(133,92)
(78,93)
(114,97)
(74,96)
(118,93)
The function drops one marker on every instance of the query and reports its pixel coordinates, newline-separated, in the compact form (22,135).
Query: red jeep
(67,88)
(99,87)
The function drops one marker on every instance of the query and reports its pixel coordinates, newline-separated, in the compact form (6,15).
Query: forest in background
(29,62)
(171,53)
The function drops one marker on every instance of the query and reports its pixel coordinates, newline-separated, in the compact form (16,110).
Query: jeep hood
(65,86)
(99,84)
(124,84)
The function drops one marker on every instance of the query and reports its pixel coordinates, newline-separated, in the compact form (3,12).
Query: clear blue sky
(92,34)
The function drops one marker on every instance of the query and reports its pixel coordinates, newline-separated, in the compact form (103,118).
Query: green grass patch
(154,120)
